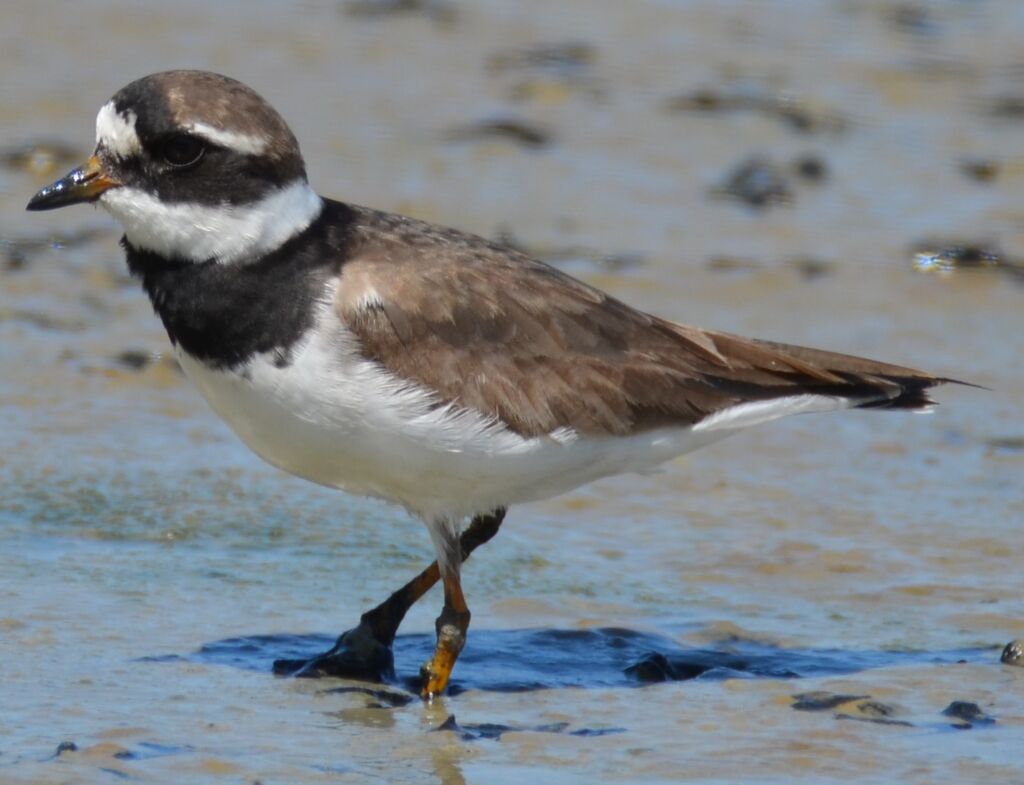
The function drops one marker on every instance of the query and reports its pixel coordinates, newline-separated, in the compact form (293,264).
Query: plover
(392,358)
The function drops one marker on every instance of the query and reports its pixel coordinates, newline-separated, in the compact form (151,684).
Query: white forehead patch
(242,143)
(116,132)
(223,232)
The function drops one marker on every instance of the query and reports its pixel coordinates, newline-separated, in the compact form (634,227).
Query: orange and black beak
(83,184)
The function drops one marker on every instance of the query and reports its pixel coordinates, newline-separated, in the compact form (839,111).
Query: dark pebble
(703,100)
(653,668)
(963,709)
(1013,654)
(494,731)
(872,709)
(383,698)
(731,264)
(134,359)
(566,55)
(876,720)
(912,18)
(791,112)
(521,132)
(983,170)
(758,183)
(811,269)
(969,714)
(811,168)
(432,9)
(949,256)
(821,700)
(1009,444)
(1007,107)
(14,258)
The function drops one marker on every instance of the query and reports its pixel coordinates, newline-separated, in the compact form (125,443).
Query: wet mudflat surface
(822,600)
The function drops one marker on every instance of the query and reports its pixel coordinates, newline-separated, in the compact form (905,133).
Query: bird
(393,358)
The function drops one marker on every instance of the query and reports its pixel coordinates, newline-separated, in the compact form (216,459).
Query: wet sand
(802,602)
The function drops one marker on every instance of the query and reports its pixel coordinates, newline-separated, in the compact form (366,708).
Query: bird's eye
(182,150)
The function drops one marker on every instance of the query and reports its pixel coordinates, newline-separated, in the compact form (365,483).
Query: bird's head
(195,166)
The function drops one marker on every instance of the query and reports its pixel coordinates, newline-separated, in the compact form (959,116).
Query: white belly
(339,420)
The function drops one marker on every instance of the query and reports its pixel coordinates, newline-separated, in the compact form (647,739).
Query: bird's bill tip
(84,184)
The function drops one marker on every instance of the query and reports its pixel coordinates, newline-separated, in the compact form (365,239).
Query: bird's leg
(364,652)
(452,625)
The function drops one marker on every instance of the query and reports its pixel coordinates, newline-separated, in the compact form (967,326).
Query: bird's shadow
(534,659)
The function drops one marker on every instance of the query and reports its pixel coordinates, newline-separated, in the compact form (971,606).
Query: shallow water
(652,629)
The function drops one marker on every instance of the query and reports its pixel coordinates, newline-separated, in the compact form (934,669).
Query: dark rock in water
(656,667)
(732,264)
(794,112)
(386,699)
(1007,107)
(494,731)
(436,10)
(134,359)
(811,269)
(653,668)
(912,18)
(854,707)
(983,170)
(876,720)
(509,129)
(757,182)
(1013,654)
(66,746)
(811,167)
(970,714)
(822,700)
(546,56)
(474,732)
(872,711)
(1009,444)
(947,257)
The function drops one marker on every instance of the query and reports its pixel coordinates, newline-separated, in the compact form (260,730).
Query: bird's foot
(451,637)
(357,654)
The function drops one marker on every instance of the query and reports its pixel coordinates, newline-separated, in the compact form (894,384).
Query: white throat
(223,232)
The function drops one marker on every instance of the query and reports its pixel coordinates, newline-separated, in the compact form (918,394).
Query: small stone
(653,668)
(822,700)
(969,714)
(134,359)
(510,129)
(1013,654)
(983,170)
(811,167)
(759,183)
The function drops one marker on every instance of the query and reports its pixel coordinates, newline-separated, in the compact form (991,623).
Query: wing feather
(489,328)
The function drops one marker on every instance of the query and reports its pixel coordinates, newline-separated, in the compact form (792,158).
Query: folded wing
(494,330)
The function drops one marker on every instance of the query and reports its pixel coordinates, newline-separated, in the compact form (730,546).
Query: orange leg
(452,625)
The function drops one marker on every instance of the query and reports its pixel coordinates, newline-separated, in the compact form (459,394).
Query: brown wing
(492,329)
